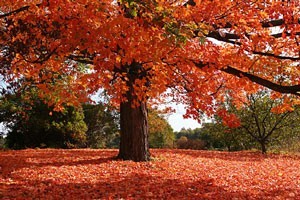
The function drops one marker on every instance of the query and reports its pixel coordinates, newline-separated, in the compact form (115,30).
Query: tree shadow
(134,186)
(137,186)
(17,159)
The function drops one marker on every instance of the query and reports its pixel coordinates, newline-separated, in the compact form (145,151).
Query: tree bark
(263,147)
(134,133)
(134,143)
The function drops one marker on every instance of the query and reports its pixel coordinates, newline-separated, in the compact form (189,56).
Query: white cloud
(178,122)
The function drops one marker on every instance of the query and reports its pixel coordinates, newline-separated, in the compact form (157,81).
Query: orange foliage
(173,174)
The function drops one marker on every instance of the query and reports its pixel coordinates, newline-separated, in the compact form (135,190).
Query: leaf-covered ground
(173,174)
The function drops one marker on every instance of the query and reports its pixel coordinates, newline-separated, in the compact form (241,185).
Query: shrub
(185,143)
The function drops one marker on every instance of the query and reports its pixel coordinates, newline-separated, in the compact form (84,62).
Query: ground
(172,174)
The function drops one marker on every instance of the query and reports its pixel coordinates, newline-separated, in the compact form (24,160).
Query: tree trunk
(228,148)
(263,147)
(134,143)
(134,133)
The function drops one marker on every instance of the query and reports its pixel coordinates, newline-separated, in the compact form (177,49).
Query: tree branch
(24,8)
(232,39)
(264,24)
(81,59)
(227,37)
(294,89)
(285,115)
(14,12)
(250,133)
(276,56)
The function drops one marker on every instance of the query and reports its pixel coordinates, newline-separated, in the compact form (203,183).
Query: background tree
(215,136)
(188,133)
(263,121)
(161,134)
(137,50)
(34,124)
(103,126)
(263,125)
(2,142)
(218,136)
(192,139)
(288,141)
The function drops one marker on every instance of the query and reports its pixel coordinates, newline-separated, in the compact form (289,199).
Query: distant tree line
(32,123)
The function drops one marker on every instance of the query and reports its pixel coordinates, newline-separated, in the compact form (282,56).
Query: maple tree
(136,50)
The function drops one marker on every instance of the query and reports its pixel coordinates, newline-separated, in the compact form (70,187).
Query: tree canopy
(258,41)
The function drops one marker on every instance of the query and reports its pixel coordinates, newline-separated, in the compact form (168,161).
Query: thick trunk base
(134,133)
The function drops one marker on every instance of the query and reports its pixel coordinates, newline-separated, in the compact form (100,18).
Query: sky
(178,122)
